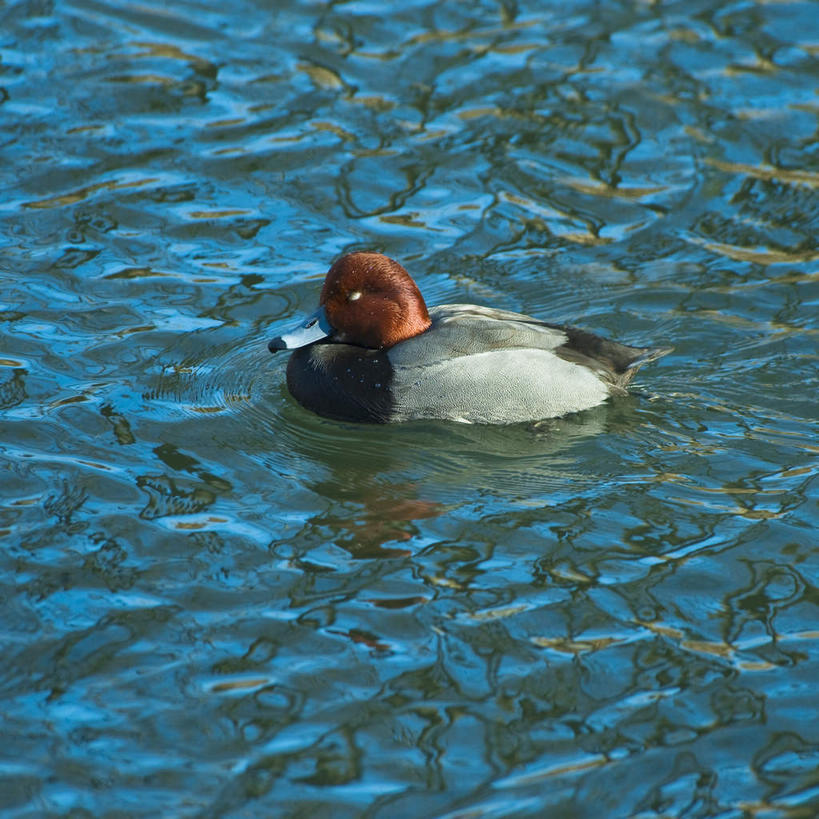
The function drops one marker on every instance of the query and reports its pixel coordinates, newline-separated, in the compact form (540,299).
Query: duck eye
(356,294)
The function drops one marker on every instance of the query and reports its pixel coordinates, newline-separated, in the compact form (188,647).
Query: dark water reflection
(216,604)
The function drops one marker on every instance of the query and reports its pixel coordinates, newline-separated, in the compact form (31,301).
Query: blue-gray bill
(313,328)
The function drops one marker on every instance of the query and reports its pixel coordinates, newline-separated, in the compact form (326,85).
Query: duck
(374,352)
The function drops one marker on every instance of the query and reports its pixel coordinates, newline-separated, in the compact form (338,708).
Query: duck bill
(313,328)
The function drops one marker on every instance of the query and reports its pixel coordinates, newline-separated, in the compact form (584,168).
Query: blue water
(214,603)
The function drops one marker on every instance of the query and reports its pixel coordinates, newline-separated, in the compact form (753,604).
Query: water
(216,604)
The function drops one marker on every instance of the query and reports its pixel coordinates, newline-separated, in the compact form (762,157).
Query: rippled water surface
(217,604)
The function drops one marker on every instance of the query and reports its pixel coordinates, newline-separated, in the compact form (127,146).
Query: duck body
(463,362)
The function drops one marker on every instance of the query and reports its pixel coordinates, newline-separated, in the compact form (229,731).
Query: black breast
(342,381)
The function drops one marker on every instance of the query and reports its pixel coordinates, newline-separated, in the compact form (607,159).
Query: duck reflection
(381,481)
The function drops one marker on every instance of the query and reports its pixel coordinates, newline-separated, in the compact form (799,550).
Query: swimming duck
(374,352)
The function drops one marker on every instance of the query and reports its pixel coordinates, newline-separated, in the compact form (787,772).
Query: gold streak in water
(84,193)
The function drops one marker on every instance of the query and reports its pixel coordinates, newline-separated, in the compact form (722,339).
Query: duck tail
(643,355)
(647,355)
